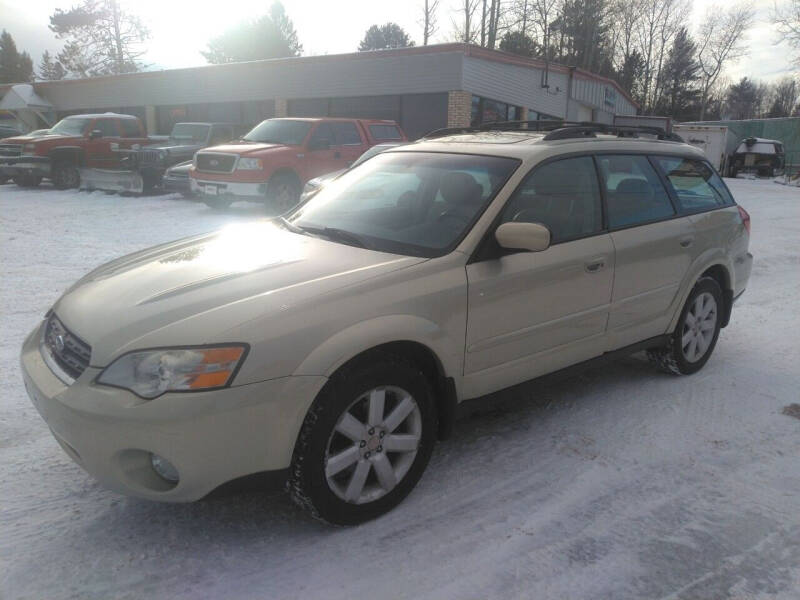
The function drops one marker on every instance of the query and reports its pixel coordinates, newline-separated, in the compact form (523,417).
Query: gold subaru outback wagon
(329,347)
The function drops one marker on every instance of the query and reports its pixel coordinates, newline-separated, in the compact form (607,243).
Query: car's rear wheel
(65,176)
(695,336)
(365,441)
(283,193)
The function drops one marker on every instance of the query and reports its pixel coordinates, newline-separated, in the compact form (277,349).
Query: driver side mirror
(533,237)
(95,133)
(319,144)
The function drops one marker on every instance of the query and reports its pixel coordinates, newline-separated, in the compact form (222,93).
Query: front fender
(352,341)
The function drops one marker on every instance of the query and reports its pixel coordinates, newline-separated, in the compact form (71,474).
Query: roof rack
(562,130)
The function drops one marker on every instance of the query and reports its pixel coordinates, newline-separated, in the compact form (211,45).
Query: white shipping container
(711,139)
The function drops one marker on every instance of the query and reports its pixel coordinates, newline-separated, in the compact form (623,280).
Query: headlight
(311,186)
(249,164)
(150,373)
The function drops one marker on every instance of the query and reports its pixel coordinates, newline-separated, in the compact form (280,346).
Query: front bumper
(13,166)
(210,437)
(177,184)
(251,191)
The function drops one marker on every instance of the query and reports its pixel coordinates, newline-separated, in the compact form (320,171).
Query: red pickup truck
(274,160)
(76,142)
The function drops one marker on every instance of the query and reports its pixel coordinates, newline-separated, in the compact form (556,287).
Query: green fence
(784,130)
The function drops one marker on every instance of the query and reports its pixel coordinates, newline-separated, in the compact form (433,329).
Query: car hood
(174,146)
(243,148)
(22,139)
(189,291)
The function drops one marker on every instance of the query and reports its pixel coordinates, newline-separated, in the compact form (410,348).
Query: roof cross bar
(561,130)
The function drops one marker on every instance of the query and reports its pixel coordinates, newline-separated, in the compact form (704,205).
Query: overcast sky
(181,28)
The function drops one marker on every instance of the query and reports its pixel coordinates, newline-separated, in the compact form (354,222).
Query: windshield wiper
(341,235)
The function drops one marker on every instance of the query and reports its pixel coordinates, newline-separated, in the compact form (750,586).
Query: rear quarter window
(130,128)
(695,183)
(385,132)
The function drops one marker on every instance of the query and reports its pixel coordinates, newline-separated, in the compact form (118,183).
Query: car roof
(347,119)
(109,115)
(532,145)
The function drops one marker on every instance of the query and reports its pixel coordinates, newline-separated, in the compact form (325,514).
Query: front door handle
(595,265)
(687,241)
(337,155)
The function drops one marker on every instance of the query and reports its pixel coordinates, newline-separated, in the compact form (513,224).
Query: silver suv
(329,348)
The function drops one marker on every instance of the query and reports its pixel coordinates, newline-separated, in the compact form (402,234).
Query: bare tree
(720,42)
(465,27)
(660,20)
(625,18)
(544,13)
(787,20)
(429,20)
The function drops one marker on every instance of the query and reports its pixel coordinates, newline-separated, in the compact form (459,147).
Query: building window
(485,110)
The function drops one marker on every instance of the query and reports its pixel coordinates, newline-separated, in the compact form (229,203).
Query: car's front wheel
(218,203)
(695,336)
(283,193)
(365,441)
(65,176)
(28,180)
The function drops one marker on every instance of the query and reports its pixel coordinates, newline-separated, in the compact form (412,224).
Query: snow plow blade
(111,181)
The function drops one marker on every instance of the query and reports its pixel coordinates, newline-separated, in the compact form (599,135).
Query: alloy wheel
(699,327)
(373,445)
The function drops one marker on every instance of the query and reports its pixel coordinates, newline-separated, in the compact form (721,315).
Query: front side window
(279,131)
(563,195)
(412,203)
(634,193)
(696,184)
(71,126)
(322,135)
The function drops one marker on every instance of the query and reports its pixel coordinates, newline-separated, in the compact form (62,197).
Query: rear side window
(696,184)
(385,132)
(563,195)
(345,133)
(634,193)
(221,134)
(130,128)
(323,132)
(107,127)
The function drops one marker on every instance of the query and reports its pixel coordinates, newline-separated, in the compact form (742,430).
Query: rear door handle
(595,265)
(686,242)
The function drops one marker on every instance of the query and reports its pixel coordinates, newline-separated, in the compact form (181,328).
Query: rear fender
(700,265)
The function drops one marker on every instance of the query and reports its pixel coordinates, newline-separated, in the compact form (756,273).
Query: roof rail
(562,130)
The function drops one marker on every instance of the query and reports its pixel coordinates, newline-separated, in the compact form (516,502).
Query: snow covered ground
(617,483)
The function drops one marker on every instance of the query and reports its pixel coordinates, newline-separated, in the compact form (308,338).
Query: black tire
(283,193)
(308,485)
(65,176)
(27,180)
(189,195)
(673,358)
(218,203)
(4,179)
(149,182)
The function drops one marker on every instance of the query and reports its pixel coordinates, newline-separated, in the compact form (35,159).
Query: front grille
(178,174)
(69,351)
(149,157)
(10,149)
(215,163)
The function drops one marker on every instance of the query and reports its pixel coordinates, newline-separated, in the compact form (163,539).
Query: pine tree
(15,67)
(388,35)
(271,36)
(50,69)
(101,38)
(681,74)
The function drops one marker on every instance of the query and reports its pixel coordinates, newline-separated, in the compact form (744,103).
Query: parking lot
(617,482)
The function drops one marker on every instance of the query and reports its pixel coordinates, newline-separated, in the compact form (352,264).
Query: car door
(321,154)
(102,151)
(653,247)
(349,144)
(535,312)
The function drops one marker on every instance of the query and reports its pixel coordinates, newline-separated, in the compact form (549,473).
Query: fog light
(164,468)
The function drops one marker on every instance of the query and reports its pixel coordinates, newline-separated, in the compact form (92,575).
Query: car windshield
(372,152)
(279,131)
(71,126)
(412,203)
(190,132)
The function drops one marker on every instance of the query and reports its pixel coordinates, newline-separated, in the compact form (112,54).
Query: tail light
(745,218)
